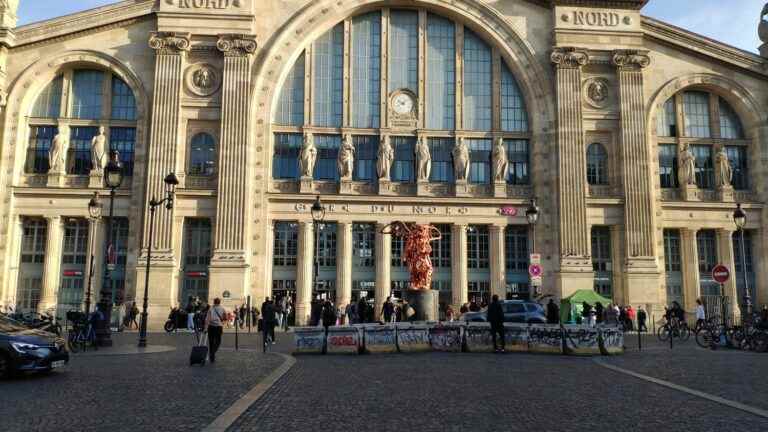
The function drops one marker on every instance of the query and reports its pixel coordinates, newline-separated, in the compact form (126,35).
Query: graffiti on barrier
(309,342)
(581,340)
(445,339)
(611,340)
(342,340)
(545,336)
(380,337)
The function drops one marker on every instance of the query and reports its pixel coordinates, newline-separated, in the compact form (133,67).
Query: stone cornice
(81,21)
(683,39)
(630,59)
(236,45)
(169,42)
(569,57)
(607,4)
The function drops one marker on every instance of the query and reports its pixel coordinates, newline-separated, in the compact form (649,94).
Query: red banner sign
(509,211)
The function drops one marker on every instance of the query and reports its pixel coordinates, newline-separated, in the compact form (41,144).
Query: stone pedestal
(641,281)
(461,188)
(500,189)
(305,185)
(575,274)
(425,303)
(345,186)
(163,288)
(385,187)
(56,179)
(229,281)
(96,179)
(689,192)
(725,194)
(422,187)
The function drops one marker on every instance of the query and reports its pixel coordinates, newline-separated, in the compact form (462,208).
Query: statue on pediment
(460,155)
(725,172)
(423,158)
(308,156)
(687,166)
(500,161)
(99,151)
(346,159)
(385,157)
(57,156)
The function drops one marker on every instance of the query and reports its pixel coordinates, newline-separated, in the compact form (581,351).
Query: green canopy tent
(571,306)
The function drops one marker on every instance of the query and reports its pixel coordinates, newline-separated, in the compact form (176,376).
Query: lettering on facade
(596,19)
(204,4)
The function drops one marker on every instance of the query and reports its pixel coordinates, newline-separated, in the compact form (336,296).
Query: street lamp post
(113,178)
(532,214)
(170,189)
(740,219)
(94,211)
(318,215)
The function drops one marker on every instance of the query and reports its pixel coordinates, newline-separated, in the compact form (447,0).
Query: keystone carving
(631,59)
(569,57)
(169,42)
(236,45)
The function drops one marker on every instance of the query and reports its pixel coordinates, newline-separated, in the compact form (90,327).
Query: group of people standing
(613,314)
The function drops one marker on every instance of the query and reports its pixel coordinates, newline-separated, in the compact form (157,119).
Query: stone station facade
(636,137)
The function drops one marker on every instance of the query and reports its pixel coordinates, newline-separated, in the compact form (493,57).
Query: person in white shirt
(214,325)
(700,314)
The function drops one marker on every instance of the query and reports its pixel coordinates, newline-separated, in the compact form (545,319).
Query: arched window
(92,98)
(597,164)
(410,56)
(713,122)
(202,155)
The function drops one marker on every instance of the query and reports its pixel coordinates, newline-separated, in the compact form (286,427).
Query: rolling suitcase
(199,351)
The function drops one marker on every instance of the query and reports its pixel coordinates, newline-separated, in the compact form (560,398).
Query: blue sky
(735,24)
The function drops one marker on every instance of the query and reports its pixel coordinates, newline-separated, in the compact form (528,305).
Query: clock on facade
(402,103)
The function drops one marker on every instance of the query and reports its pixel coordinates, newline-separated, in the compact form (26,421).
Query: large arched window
(202,155)
(82,100)
(597,164)
(706,122)
(401,69)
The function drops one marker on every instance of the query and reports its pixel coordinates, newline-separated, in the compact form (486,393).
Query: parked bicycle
(674,328)
(82,334)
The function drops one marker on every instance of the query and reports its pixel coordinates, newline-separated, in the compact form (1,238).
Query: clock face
(403,103)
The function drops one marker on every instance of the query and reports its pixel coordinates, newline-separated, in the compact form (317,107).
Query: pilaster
(497,264)
(726,255)
(10,280)
(620,294)
(459,265)
(575,263)
(304,269)
(343,264)
(96,241)
(690,261)
(52,266)
(760,261)
(383,247)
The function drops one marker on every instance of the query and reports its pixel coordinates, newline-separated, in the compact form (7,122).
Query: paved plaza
(426,392)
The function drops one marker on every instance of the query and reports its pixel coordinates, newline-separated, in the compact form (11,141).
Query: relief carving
(203,79)
(596,92)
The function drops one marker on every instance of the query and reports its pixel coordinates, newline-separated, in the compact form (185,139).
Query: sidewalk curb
(228,417)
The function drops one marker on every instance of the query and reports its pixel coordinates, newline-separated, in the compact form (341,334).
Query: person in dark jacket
(387,310)
(599,312)
(642,316)
(586,310)
(362,310)
(553,312)
(496,318)
(315,309)
(329,314)
(268,319)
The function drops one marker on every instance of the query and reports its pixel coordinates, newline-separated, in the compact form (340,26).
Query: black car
(515,311)
(23,349)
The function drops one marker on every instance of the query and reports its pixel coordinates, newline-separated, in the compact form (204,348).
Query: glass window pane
(366,149)
(286,243)
(87,94)
(441,249)
(705,176)
(366,70)
(601,260)
(516,255)
(513,115)
(403,166)
(730,125)
(707,249)
(285,161)
(519,159)
(329,78)
(202,155)
(290,104)
(668,166)
(327,153)
(123,139)
(478,247)
(364,245)
(696,113)
(404,50)
(737,157)
(40,139)
(597,165)
(442,162)
(441,73)
(197,242)
(477,83)
(123,101)
(480,160)
(48,103)
(325,249)
(666,121)
(79,158)
(672,257)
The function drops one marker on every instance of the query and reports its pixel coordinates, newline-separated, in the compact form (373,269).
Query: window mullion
(714,118)
(106,101)
(66,95)
(496,92)
(459,97)
(347,75)
(384,82)
(422,66)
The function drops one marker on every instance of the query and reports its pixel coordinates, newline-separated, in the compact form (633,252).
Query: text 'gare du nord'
(638,139)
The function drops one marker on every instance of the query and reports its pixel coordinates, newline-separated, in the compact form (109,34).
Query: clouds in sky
(730,21)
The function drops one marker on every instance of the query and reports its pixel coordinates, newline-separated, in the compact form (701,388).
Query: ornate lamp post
(318,215)
(532,214)
(740,219)
(94,212)
(170,189)
(113,178)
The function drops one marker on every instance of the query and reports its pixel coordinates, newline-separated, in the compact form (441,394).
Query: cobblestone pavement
(135,392)
(439,392)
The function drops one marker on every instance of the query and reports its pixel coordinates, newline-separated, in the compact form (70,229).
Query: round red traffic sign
(721,274)
(535,270)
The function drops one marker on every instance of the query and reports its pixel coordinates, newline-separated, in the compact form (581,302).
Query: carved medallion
(596,92)
(203,79)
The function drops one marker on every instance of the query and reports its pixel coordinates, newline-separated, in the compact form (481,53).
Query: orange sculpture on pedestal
(417,250)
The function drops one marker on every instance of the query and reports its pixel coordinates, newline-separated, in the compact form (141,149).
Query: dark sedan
(23,349)
(515,311)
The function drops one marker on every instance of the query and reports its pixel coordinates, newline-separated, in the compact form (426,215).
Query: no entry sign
(535,270)
(721,274)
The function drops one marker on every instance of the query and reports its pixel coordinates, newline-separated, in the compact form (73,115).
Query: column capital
(169,42)
(569,58)
(54,218)
(236,45)
(630,59)
(496,227)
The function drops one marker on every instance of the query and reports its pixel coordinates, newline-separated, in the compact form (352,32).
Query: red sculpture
(417,250)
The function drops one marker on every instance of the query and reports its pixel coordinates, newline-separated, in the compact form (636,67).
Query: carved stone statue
(424,159)
(98,151)
(57,157)
(687,168)
(385,157)
(203,78)
(724,168)
(346,159)
(461,159)
(308,156)
(500,161)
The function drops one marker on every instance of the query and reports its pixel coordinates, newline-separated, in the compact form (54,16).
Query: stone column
(383,247)
(759,292)
(304,269)
(343,263)
(620,294)
(96,231)
(230,270)
(459,265)
(726,257)
(52,266)
(575,262)
(11,279)
(498,264)
(690,261)
(642,274)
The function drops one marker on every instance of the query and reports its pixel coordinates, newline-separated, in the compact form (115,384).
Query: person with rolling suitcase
(214,325)
(199,351)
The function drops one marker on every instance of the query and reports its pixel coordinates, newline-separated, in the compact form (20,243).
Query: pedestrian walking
(134,314)
(190,309)
(268,320)
(553,312)
(387,310)
(286,314)
(350,311)
(362,306)
(586,311)
(611,316)
(496,318)
(701,315)
(449,313)
(642,317)
(631,318)
(279,313)
(599,311)
(214,326)
(328,315)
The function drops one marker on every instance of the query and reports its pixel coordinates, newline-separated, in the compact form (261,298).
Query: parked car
(23,349)
(515,311)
